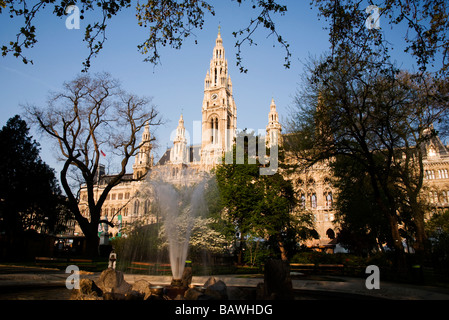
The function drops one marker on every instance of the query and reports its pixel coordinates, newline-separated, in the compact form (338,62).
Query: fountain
(180,201)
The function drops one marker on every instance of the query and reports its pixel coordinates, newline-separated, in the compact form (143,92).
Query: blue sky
(176,85)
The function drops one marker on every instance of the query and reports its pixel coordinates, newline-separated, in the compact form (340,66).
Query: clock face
(214,96)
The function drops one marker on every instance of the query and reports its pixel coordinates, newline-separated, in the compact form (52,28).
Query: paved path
(17,282)
(347,285)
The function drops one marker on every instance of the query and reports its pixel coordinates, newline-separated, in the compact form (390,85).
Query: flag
(102,153)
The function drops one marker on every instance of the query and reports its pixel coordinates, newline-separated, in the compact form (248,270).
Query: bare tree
(91,116)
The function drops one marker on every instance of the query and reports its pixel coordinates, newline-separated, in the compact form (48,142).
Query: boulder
(113,281)
(210,282)
(193,294)
(88,291)
(217,291)
(142,287)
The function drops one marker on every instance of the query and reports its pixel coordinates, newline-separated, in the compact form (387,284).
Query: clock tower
(219,119)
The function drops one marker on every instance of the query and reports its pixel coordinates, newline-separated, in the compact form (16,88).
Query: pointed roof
(273,105)
(219,41)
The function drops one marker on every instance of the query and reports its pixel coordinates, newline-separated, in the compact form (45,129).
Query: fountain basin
(157,290)
(172,292)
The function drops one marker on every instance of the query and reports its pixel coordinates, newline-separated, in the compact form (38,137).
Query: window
(214,130)
(313,200)
(146,207)
(303,200)
(329,199)
(113,196)
(120,196)
(136,207)
(330,233)
(445,197)
(126,195)
(429,174)
(433,197)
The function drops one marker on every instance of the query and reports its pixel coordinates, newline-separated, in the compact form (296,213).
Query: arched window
(313,201)
(214,130)
(146,208)
(136,207)
(329,199)
(303,200)
(330,233)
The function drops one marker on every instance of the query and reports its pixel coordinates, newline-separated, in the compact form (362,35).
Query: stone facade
(219,122)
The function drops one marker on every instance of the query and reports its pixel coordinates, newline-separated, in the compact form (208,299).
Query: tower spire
(219,110)
(178,153)
(274,127)
(144,158)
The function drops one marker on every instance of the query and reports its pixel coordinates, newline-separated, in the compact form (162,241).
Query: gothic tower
(274,127)
(144,159)
(178,153)
(219,120)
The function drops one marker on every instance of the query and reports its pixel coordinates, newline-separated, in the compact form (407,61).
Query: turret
(178,153)
(274,128)
(143,160)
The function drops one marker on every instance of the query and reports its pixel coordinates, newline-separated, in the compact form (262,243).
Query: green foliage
(142,243)
(262,206)
(29,192)
(363,227)
(348,260)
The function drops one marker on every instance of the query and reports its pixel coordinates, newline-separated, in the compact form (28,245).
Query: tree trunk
(283,251)
(401,264)
(240,253)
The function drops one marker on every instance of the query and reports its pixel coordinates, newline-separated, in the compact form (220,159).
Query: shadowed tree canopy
(30,198)
(169,23)
(92,116)
(358,105)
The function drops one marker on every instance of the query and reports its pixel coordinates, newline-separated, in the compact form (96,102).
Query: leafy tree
(279,217)
(169,23)
(91,116)
(438,230)
(30,198)
(262,206)
(359,105)
(423,24)
(240,195)
(363,227)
